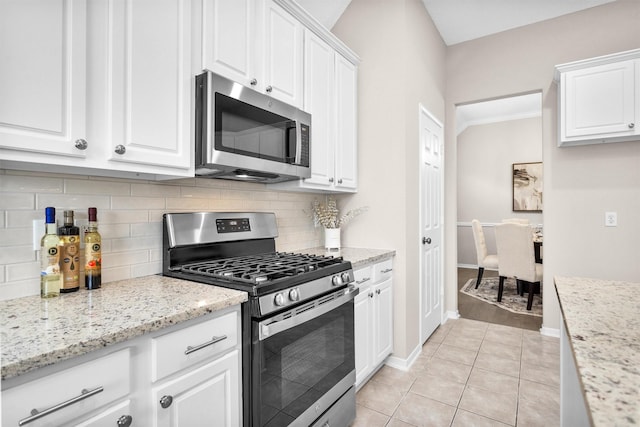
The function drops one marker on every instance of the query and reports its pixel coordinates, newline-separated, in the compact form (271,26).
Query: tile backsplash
(129,218)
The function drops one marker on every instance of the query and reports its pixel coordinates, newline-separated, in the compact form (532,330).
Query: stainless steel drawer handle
(214,340)
(360,282)
(35,414)
(386,270)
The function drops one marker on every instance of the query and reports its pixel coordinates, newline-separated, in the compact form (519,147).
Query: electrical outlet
(611,219)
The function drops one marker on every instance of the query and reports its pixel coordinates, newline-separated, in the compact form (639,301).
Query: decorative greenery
(329,216)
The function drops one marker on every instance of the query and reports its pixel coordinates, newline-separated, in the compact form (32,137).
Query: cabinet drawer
(105,380)
(363,277)
(186,347)
(382,270)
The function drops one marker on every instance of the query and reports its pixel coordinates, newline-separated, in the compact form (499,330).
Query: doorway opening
(492,136)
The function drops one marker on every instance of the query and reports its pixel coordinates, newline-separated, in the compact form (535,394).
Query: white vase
(332,239)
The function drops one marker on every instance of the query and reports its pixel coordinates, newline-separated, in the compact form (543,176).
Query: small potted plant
(329,217)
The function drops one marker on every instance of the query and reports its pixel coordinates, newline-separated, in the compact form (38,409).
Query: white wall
(130,218)
(402,65)
(581,183)
(486,154)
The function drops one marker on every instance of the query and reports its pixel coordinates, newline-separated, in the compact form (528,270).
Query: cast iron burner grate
(261,268)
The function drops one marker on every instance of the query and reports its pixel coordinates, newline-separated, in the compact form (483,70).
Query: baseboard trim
(451,314)
(404,364)
(550,332)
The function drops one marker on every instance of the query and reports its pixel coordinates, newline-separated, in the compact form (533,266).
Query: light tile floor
(470,373)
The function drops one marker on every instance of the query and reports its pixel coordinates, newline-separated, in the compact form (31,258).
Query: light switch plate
(611,219)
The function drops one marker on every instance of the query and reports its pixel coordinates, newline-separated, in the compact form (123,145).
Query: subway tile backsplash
(129,218)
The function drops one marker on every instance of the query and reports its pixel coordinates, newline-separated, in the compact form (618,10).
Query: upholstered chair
(517,259)
(522,221)
(484,259)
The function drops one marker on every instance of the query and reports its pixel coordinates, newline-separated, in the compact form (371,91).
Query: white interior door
(431,214)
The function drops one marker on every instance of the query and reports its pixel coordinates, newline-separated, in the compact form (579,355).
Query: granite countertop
(37,332)
(602,321)
(357,256)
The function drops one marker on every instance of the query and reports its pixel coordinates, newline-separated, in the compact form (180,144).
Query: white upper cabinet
(148,84)
(256,43)
(42,83)
(599,99)
(330,95)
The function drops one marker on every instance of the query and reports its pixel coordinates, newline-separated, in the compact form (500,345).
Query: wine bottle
(50,268)
(92,253)
(69,254)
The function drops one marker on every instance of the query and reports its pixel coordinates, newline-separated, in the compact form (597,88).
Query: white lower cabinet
(93,389)
(373,318)
(206,396)
(186,375)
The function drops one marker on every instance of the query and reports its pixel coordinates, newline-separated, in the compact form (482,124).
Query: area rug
(488,292)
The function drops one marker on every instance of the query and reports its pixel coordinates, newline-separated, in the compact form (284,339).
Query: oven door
(303,361)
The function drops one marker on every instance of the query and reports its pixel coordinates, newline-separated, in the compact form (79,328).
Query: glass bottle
(69,254)
(50,269)
(92,253)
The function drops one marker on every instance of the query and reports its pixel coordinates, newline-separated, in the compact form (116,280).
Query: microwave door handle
(298,142)
(267,330)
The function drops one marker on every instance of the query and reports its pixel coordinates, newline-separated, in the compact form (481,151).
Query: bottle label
(50,258)
(70,262)
(93,257)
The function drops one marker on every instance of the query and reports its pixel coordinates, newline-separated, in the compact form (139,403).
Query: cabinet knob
(81,144)
(632,125)
(269,89)
(370,294)
(120,149)
(124,421)
(340,181)
(378,291)
(330,179)
(253,82)
(166,401)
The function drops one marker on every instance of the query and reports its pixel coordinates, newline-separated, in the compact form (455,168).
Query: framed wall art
(527,187)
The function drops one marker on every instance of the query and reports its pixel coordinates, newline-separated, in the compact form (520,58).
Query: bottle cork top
(50,215)
(93,214)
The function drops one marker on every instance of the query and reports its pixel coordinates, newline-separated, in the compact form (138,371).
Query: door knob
(426,240)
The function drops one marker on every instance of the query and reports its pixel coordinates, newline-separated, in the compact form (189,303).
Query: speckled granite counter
(602,321)
(357,256)
(38,332)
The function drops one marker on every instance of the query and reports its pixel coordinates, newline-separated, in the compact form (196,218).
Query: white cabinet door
(207,396)
(229,31)
(346,120)
(600,100)
(318,100)
(42,76)
(383,321)
(149,86)
(362,312)
(283,48)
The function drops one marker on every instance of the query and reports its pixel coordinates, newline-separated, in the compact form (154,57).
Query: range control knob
(345,277)
(294,294)
(279,299)
(337,280)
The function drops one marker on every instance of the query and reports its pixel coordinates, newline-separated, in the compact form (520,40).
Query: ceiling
(463,20)
(498,110)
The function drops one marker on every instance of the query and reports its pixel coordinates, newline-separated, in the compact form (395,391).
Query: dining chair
(484,259)
(522,221)
(517,259)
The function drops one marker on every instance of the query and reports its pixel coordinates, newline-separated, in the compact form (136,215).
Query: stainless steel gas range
(297,326)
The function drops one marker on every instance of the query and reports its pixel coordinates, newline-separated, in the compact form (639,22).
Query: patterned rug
(488,292)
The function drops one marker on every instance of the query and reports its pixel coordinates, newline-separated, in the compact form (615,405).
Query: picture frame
(527,187)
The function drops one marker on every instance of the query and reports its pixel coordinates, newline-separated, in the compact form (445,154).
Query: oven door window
(296,367)
(251,131)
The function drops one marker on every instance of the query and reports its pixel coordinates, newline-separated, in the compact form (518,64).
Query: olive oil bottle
(69,254)
(49,260)
(92,253)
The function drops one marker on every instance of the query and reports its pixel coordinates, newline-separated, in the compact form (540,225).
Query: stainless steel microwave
(242,134)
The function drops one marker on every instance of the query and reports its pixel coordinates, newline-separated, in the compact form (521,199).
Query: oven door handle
(269,328)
